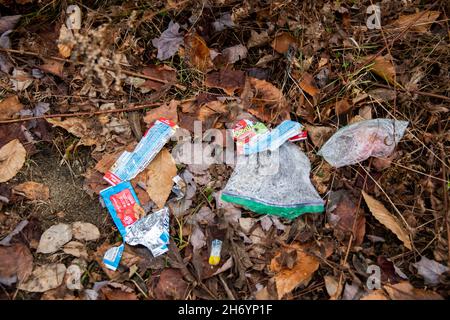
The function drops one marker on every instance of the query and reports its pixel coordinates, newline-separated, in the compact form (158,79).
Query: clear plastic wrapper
(274,182)
(130,164)
(358,141)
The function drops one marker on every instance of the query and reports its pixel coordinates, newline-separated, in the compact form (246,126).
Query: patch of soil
(68,201)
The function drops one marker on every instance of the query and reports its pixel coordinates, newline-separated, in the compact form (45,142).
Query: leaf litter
(233,65)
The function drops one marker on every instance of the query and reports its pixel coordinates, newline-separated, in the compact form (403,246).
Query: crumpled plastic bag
(358,141)
(274,182)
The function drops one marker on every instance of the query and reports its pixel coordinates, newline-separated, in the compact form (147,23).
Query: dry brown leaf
(158,177)
(383,67)
(44,278)
(79,127)
(342,106)
(257,39)
(53,66)
(12,158)
(9,107)
(308,85)
(208,110)
(65,41)
(375,295)
(388,220)
(171,285)
(265,101)
(282,42)
(85,231)
(235,53)
(228,80)
(405,291)
(33,190)
(16,263)
(421,22)
(318,135)
(345,217)
(118,294)
(197,53)
(168,111)
(301,273)
(163,72)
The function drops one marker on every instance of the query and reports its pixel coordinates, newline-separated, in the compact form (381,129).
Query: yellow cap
(214,260)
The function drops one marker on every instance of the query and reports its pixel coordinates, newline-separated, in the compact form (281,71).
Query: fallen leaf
(54,238)
(351,292)
(79,127)
(168,42)
(318,134)
(308,85)
(228,80)
(225,21)
(282,42)
(265,101)
(257,39)
(76,249)
(85,231)
(53,66)
(197,238)
(171,285)
(20,80)
(419,22)
(12,158)
(342,106)
(197,53)
(16,263)
(168,111)
(301,273)
(43,278)
(73,277)
(33,190)
(375,295)
(9,106)
(158,177)
(8,22)
(345,217)
(387,219)
(118,294)
(235,53)
(430,270)
(405,291)
(331,285)
(163,72)
(65,41)
(210,109)
(383,67)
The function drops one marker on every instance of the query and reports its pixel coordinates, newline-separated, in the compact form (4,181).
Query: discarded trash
(216,248)
(274,183)
(361,140)
(130,164)
(252,138)
(179,187)
(151,231)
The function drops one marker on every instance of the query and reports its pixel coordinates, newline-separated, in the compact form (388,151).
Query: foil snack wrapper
(150,230)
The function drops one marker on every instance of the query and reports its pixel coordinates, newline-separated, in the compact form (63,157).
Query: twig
(127,72)
(428,94)
(81,114)
(227,289)
(404,31)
